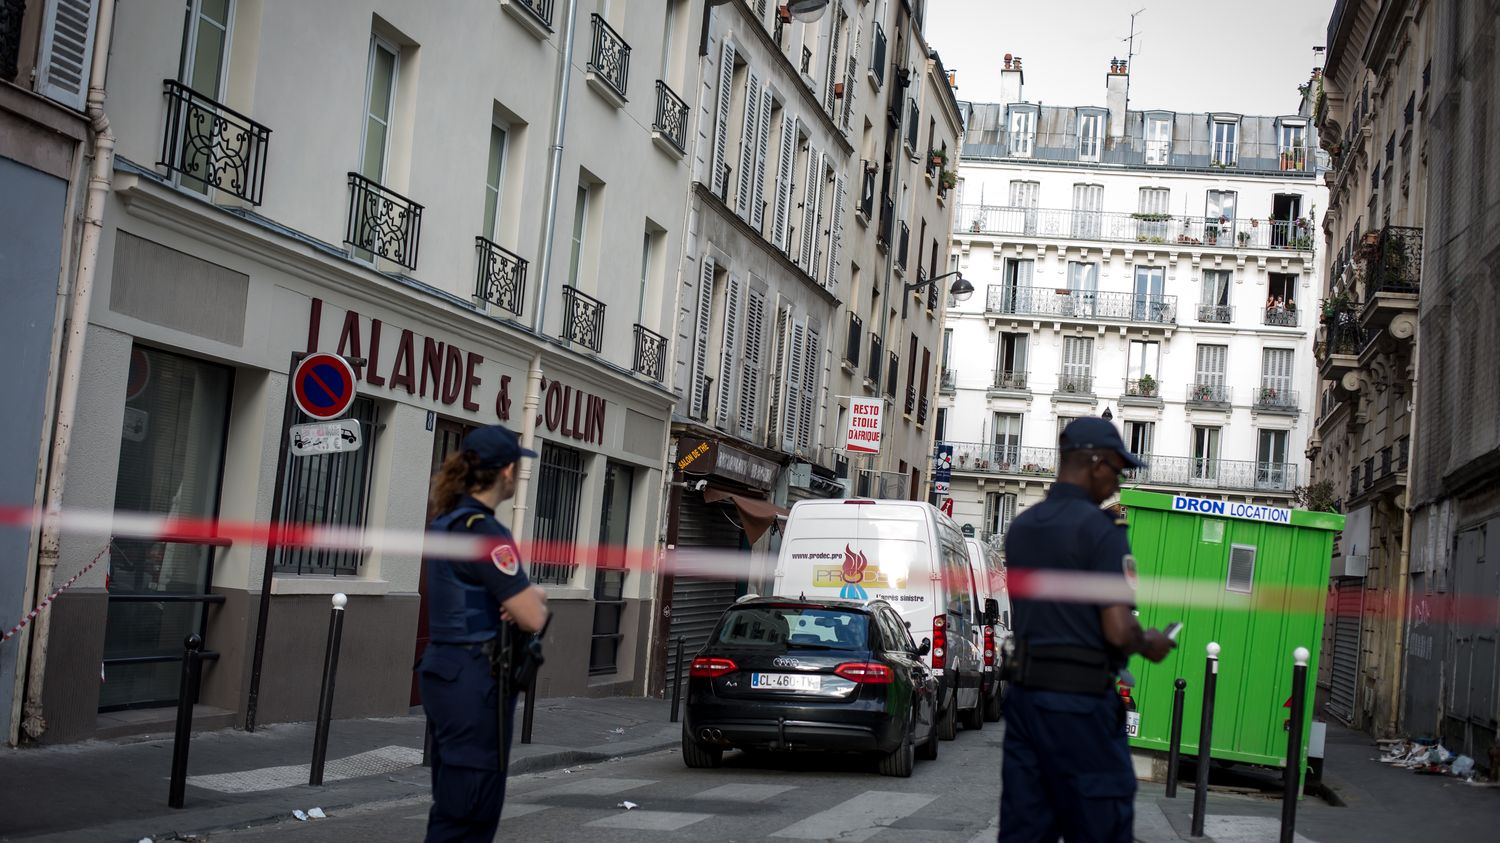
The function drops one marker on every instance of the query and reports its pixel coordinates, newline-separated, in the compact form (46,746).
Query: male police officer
(467,601)
(1067,769)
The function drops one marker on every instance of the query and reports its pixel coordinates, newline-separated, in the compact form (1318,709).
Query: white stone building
(1154,267)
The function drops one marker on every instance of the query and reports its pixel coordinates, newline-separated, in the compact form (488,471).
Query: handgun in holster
(1078,670)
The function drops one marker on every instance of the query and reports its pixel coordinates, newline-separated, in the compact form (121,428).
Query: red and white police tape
(31,615)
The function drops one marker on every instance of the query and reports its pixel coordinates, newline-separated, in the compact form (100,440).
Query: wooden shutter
(700,335)
(810,211)
(731,351)
(721,126)
(829,103)
(1211,362)
(850,76)
(791,414)
(778,378)
(1078,354)
(1276,369)
(811,366)
(836,238)
(762,151)
(784,182)
(67,49)
(755,319)
(818,217)
(748,138)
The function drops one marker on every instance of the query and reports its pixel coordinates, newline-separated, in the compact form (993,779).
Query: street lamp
(1107,414)
(807,10)
(960,291)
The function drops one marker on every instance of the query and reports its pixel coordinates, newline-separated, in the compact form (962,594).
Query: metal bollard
(529,711)
(1205,737)
(325,698)
(1293,771)
(677,678)
(187,694)
(1174,749)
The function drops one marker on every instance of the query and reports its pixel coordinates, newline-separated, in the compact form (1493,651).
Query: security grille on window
(331,490)
(560,473)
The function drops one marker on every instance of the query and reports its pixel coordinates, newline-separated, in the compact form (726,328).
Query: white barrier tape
(31,615)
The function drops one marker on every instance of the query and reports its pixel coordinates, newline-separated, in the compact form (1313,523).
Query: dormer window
(1158,138)
(1022,132)
(1090,135)
(1291,138)
(1226,134)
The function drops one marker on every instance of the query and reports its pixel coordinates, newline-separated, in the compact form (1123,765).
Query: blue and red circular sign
(323,386)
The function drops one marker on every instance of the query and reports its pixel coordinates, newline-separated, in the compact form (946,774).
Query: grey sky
(1191,55)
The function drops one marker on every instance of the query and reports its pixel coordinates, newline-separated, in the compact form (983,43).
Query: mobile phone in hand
(1172,629)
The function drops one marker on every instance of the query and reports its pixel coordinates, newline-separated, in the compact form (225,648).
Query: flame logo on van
(854,574)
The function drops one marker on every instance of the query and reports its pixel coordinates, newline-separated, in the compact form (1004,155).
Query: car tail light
(872,673)
(989,646)
(939,642)
(710,667)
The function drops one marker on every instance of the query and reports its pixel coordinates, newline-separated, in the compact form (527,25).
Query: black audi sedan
(792,675)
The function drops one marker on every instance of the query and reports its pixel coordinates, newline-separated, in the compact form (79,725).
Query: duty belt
(1074,670)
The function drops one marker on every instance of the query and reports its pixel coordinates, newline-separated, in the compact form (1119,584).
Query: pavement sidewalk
(117,789)
(1380,802)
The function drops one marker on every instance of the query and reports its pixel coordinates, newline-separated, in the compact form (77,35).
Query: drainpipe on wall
(533,398)
(33,721)
(1403,568)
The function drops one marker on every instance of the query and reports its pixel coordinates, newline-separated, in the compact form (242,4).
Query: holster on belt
(1074,670)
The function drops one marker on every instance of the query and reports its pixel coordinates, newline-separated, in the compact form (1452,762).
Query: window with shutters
(1083,288)
(811,406)
(1007,439)
(1141,437)
(1022,216)
(796,361)
(753,351)
(768,110)
(66,52)
(807,236)
(703,320)
(1088,207)
(1241,568)
(776,420)
(836,232)
(1151,303)
(786,161)
(1212,363)
(1213,306)
(1152,211)
(1276,369)
(1010,365)
(729,353)
(1077,374)
(749,141)
(999,511)
(719,158)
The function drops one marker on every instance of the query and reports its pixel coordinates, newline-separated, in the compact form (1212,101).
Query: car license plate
(787,681)
(1132,724)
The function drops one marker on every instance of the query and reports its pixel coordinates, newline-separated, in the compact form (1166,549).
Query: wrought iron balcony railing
(1209,394)
(922,410)
(892,372)
(1276,399)
(1175,472)
(1281,316)
(1145,388)
(1075,383)
(650,353)
(609,57)
(1003,458)
(671,117)
(903,248)
(1139,227)
(949,383)
(382,222)
(1221,314)
(877,56)
(866,206)
(877,357)
(213,145)
(911,399)
(855,340)
(1081,304)
(887,222)
(1009,381)
(583,319)
(502,276)
(539,9)
(932,290)
(1396,264)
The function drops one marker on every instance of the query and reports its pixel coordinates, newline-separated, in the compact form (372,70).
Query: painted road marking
(743,792)
(649,820)
(859,818)
(591,787)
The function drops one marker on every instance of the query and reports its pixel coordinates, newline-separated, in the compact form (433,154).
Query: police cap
(496,446)
(1093,433)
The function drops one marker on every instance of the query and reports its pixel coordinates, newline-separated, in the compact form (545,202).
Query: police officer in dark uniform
(467,601)
(1067,770)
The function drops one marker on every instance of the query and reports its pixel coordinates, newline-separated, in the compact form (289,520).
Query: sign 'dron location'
(863,433)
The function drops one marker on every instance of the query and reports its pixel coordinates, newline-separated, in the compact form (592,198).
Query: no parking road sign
(323,386)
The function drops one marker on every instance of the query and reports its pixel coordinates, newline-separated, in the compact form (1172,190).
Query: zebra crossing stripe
(590,787)
(639,820)
(743,792)
(859,818)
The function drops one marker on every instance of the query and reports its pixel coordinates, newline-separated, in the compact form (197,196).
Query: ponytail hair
(459,474)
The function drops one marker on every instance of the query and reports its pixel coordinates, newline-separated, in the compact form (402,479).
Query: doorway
(1285,209)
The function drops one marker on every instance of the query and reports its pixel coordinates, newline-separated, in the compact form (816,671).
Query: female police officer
(467,600)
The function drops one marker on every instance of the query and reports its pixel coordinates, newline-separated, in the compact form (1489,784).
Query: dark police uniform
(459,692)
(1067,770)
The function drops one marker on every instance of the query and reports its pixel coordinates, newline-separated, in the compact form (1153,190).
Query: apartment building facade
(1374,113)
(483,209)
(1152,267)
(814,209)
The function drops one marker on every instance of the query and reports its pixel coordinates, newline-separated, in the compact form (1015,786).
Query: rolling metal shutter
(697,602)
(1343,680)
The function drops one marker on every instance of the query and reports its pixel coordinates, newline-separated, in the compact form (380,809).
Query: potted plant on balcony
(1203,393)
(1146,386)
(937,158)
(1267,395)
(1243,237)
(948,180)
(1212,227)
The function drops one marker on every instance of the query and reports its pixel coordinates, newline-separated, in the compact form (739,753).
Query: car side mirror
(991,611)
(925,647)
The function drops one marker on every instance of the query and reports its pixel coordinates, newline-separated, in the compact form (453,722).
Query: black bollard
(1293,771)
(1205,737)
(187,694)
(677,678)
(1174,749)
(325,697)
(529,711)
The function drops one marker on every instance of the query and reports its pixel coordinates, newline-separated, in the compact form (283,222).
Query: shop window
(331,490)
(560,483)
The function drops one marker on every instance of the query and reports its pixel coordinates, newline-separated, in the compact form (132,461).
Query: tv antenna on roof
(1130,54)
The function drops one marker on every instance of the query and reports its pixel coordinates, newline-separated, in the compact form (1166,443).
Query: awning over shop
(756,515)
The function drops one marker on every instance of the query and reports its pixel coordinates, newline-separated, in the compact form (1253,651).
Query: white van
(989,585)
(908,554)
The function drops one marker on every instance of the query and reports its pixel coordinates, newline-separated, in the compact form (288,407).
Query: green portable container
(1252,578)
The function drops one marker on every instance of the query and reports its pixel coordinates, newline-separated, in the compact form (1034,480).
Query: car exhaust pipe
(718,735)
(706,734)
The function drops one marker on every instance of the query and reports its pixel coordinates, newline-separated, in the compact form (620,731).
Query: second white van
(910,555)
(994,600)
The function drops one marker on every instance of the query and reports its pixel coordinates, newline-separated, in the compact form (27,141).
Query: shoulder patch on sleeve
(1132,577)
(505,558)
(473,519)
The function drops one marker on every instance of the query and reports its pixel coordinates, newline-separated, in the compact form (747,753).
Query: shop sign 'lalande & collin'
(400,360)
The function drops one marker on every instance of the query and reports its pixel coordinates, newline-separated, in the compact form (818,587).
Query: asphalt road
(752,797)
